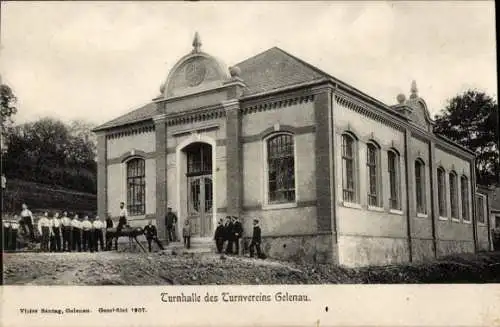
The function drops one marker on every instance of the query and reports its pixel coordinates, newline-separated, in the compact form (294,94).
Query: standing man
(186,234)
(55,240)
(45,230)
(228,228)
(237,234)
(219,236)
(170,221)
(14,226)
(76,234)
(6,235)
(152,234)
(109,225)
(123,217)
(4,188)
(256,239)
(66,232)
(98,236)
(27,222)
(86,232)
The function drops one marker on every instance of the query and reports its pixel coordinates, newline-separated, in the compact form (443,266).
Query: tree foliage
(7,104)
(471,119)
(50,152)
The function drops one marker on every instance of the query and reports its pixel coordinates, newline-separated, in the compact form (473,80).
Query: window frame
(422,188)
(397,181)
(130,204)
(442,194)
(376,166)
(465,218)
(271,205)
(355,201)
(454,197)
(484,209)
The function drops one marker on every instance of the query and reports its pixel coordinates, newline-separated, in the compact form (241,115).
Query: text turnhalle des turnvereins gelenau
(233,297)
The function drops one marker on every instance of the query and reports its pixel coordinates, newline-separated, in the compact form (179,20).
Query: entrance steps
(198,245)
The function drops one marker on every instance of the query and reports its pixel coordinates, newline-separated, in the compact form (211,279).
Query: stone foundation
(355,251)
(300,248)
(445,247)
(422,249)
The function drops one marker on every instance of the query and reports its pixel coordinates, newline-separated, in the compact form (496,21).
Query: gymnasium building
(333,174)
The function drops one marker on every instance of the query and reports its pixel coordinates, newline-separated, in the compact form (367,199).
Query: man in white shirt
(6,235)
(76,234)
(27,222)
(55,240)
(123,217)
(44,228)
(66,232)
(98,233)
(86,232)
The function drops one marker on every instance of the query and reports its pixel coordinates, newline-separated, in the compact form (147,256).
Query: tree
(7,104)
(471,119)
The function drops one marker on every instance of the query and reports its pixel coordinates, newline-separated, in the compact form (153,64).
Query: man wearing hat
(256,239)
(229,234)
(170,222)
(237,233)
(219,236)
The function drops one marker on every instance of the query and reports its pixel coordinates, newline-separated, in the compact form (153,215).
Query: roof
(274,69)
(143,113)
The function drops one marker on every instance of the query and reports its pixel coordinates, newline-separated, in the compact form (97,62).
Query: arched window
(348,168)
(480,208)
(136,187)
(394,179)
(464,189)
(441,179)
(280,169)
(453,194)
(373,165)
(420,186)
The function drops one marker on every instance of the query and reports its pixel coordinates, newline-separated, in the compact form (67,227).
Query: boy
(186,234)
(219,236)
(256,239)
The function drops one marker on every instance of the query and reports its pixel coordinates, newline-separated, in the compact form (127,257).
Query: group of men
(230,232)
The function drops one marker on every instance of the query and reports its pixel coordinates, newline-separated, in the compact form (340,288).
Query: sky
(98,60)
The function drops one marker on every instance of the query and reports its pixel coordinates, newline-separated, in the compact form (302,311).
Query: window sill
(422,215)
(378,209)
(467,221)
(271,206)
(443,218)
(396,212)
(352,205)
(455,220)
(481,224)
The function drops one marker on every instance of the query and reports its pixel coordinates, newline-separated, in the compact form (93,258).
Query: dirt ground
(163,268)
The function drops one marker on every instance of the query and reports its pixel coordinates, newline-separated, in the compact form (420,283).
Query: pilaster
(474,203)
(161,173)
(434,214)
(410,187)
(102,175)
(233,157)
(324,160)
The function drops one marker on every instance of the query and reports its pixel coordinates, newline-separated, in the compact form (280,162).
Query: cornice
(193,116)
(130,130)
(277,102)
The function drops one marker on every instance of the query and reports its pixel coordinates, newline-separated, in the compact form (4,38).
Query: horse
(131,232)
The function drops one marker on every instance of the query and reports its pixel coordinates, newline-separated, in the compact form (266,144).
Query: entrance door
(200,205)
(199,188)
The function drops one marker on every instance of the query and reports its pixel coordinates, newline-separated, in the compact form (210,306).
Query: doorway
(199,181)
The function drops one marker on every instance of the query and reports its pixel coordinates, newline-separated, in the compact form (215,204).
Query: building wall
(369,235)
(116,147)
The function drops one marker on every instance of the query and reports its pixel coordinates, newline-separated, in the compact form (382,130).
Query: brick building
(333,174)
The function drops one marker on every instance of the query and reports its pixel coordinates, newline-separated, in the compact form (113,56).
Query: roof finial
(414,90)
(196,42)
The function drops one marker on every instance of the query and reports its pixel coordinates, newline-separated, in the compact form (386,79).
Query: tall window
(393,168)
(348,168)
(136,187)
(281,169)
(464,189)
(441,179)
(372,162)
(453,194)
(480,208)
(420,186)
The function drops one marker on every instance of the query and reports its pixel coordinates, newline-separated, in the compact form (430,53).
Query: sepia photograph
(248,143)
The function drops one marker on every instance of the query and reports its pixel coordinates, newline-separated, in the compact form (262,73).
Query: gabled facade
(333,174)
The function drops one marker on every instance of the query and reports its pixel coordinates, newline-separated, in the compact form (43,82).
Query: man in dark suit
(219,236)
(170,223)
(151,234)
(237,234)
(229,234)
(256,239)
